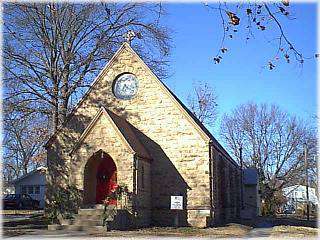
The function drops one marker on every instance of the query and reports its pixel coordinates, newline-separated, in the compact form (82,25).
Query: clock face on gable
(125,86)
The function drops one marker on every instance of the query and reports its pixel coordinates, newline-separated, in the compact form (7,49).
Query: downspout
(135,182)
(135,173)
(211,179)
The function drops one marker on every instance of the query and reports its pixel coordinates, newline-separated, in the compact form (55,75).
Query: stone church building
(130,129)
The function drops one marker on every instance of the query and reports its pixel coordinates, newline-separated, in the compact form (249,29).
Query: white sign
(176,203)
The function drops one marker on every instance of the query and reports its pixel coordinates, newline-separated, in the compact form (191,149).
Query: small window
(37,189)
(23,189)
(30,189)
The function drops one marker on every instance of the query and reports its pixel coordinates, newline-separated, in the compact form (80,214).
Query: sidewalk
(263,228)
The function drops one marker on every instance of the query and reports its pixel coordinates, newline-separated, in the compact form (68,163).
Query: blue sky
(240,77)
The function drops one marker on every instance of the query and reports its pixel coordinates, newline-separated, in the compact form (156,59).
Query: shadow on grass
(16,227)
(269,222)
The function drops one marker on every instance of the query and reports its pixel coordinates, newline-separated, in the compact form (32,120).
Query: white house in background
(298,194)
(32,183)
(7,188)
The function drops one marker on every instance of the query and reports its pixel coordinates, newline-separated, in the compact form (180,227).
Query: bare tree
(272,142)
(52,51)
(203,102)
(23,145)
(252,17)
(312,158)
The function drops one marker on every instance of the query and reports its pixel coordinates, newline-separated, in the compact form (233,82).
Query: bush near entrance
(65,203)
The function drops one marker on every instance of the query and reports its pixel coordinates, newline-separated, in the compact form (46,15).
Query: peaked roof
(122,128)
(38,169)
(204,132)
(202,127)
(126,129)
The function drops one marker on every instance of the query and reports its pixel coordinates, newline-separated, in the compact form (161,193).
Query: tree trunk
(64,110)
(55,111)
(64,94)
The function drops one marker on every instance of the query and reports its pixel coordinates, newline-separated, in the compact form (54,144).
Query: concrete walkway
(45,234)
(262,230)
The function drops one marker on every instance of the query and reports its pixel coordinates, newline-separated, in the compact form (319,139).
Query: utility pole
(241,180)
(307,182)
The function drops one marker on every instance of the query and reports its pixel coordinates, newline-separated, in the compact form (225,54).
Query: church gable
(150,89)
(122,129)
(100,131)
(101,135)
(129,135)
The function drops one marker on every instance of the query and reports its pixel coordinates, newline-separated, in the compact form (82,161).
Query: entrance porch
(100,179)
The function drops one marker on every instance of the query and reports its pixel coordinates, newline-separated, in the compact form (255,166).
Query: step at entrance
(91,218)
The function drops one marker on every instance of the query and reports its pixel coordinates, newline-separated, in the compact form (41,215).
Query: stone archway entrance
(100,178)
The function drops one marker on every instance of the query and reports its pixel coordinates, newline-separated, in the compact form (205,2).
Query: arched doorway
(100,178)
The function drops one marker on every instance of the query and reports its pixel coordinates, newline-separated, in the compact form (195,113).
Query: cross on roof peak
(129,36)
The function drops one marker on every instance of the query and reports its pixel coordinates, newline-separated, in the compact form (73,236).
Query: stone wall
(226,189)
(142,203)
(103,137)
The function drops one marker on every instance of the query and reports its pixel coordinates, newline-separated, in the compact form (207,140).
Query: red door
(106,179)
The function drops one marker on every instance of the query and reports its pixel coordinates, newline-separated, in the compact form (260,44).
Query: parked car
(288,210)
(19,201)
